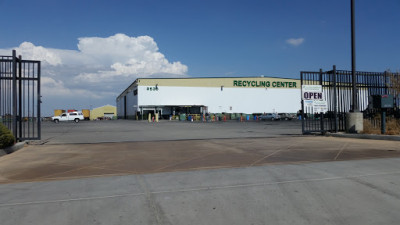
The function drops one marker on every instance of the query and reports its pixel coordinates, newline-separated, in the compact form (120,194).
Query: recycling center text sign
(312,96)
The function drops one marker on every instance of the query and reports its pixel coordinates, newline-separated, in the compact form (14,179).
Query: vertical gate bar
(14,95)
(39,101)
(1,90)
(302,103)
(343,89)
(6,95)
(33,101)
(24,99)
(28,96)
(347,101)
(385,76)
(317,126)
(11,99)
(311,120)
(20,96)
(321,114)
(335,96)
(309,115)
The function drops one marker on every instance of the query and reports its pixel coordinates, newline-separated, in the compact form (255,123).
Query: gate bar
(14,97)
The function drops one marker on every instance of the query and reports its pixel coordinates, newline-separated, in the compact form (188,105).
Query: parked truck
(72,116)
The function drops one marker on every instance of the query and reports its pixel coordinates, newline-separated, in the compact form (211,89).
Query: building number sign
(152,88)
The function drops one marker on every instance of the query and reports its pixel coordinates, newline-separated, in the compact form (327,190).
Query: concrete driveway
(127,172)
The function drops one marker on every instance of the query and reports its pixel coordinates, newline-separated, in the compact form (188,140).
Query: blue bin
(190,118)
(247,117)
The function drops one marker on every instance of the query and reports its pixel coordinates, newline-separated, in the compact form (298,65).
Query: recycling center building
(173,96)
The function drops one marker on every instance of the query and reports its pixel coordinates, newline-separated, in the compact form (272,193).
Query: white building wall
(120,107)
(131,104)
(229,100)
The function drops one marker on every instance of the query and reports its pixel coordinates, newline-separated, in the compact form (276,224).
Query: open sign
(312,95)
(311,92)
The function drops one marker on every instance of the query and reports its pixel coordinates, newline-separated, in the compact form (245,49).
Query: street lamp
(353,59)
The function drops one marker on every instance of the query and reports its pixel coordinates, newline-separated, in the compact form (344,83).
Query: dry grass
(374,126)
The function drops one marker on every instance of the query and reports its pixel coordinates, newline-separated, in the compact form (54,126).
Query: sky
(92,50)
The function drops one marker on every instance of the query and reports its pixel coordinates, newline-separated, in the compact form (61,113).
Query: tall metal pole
(14,89)
(19,78)
(39,102)
(353,58)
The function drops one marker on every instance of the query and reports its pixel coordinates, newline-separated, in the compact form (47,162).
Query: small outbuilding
(103,112)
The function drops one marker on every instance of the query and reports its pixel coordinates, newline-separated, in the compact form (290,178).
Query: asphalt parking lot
(132,131)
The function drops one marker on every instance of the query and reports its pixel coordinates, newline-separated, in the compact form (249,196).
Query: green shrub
(6,137)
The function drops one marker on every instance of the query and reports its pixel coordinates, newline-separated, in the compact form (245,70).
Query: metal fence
(337,91)
(20,97)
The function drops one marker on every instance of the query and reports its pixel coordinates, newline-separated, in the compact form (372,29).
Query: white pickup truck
(72,116)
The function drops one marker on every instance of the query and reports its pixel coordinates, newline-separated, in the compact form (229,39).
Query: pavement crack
(376,188)
(273,153)
(155,209)
(344,146)
(183,162)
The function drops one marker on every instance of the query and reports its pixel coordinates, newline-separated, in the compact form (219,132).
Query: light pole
(353,59)
(354,119)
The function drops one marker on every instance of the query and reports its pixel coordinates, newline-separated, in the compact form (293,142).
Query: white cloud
(100,68)
(51,87)
(295,41)
(29,51)
(129,56)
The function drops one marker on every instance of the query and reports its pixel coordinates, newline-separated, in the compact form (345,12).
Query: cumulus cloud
(30,51)
(54,88)
(295,41)
(100,68)
(129,55)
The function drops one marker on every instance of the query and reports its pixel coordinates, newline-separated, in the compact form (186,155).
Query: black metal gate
(337,91)
(20,96)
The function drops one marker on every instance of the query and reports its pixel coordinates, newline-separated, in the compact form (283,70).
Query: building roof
(105,106)
(227,82)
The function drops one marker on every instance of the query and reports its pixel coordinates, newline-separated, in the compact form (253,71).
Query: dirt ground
(67,161)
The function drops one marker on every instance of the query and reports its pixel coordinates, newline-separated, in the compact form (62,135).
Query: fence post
(302,104)
(39,102)
(383,121)
(335,108)
(19,97)
(321,113)
(14,98)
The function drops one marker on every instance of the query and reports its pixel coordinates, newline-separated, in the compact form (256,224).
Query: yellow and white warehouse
(172,96)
